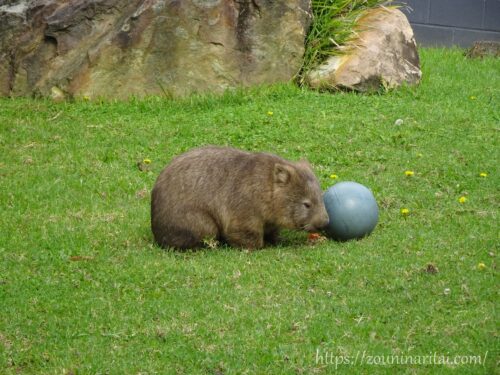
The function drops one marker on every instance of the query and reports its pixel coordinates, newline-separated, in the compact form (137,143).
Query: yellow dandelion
(334,176)
(147,161)
(483,174)
(481,266)
(409,173)
(405,211)
(462,199)
(270,113)
(472,97)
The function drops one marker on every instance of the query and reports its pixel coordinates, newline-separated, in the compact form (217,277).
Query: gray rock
(118,48)
(383,53)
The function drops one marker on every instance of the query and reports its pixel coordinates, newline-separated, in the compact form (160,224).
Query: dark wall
(453,22)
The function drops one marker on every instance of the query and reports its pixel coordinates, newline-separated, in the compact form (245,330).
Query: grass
(83,290)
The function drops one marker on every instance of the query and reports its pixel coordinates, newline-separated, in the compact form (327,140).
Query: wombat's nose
(323,222)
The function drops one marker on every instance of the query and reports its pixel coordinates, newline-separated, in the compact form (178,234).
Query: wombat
(237,197)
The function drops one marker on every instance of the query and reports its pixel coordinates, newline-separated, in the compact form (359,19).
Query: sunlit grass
(84,290)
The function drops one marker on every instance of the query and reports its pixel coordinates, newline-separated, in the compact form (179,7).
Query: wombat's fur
(238,197)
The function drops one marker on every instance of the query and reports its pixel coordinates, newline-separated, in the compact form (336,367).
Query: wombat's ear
(282,173)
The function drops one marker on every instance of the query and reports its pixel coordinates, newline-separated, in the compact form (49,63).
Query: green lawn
(83,289)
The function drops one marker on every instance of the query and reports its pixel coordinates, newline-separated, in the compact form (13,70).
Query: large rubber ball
(352,209)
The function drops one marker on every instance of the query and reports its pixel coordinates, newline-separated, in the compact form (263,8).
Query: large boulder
(382,54)
(118,48)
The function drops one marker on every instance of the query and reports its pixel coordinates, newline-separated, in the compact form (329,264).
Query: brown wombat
(238,197)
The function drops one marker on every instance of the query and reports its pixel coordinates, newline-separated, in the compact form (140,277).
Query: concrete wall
(453,22)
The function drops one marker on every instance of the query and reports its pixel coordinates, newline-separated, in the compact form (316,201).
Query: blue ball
(352,209)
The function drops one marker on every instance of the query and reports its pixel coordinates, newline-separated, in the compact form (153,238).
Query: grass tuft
(332,26)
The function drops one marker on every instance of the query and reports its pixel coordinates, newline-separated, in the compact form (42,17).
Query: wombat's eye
(307,205)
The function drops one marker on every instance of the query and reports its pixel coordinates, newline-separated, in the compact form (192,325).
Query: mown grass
(83,290)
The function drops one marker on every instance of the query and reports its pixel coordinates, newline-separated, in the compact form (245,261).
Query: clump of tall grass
(332,26)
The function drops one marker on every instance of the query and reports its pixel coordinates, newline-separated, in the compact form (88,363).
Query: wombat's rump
(238,197)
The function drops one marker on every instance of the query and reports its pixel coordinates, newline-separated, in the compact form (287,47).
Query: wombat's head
(298,199)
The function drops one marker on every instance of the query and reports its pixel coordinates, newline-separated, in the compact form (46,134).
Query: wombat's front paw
(246,240)
(272,237)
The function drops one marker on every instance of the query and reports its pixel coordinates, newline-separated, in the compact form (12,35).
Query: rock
(484,48)
(118,48)
(383,54)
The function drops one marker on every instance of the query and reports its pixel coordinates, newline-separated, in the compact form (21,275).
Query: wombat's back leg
(188,231)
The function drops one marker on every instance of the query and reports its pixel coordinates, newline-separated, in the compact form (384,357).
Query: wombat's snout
(320,221)
(323,222)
